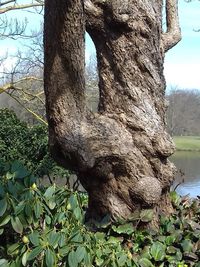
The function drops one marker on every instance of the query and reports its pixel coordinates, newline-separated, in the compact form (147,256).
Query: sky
(182,63)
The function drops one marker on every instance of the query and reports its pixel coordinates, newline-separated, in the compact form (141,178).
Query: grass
(187,143)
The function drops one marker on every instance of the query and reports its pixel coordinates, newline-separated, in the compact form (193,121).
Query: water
(188,164)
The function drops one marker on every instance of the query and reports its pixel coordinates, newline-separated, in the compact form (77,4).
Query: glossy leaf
(124,229)
(72,261)
(146,215)
(158,251)
(5,220)
(25,258)
(3,206)
(17,225)
(19,170)
(34,253)
(80,253)
(12,248)
(187,245)
(53,238)
(144,262)
(3,263)
(34,238)
(49,192)
(122,259)
(49,258)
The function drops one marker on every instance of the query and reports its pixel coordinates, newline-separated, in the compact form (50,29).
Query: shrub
(44,227)
(29,144)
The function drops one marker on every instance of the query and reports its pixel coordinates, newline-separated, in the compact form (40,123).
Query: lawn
(187,143)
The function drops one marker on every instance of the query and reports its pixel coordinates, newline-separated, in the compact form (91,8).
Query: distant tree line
(183,113)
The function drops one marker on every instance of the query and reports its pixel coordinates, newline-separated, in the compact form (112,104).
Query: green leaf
(145,263)
(49,192)
(122,259)
(20,207)
(25,258)
(72,261)
(3,263)
(73,201)
(37,209)
(12,248)
(34,238)
(87,259)
(34,253)
(170,240)
(187,245)
(3,206)
(158,251)
(1,231)
(124,229)
(47,219)
(5,220)
(49,258)
(77,213)
(176,199)
(53,238)
(62,240)
(146,215)
(171,250)
(77,238)
(17,225)
(27,209)
(9,175)
(99,261)
(51,204)
(64,250)
(145,253)
(80,253)
(113,240)
(18,170)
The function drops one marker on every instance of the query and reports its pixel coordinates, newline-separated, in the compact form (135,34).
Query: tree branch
(13,86)
(15,7)
(173,33)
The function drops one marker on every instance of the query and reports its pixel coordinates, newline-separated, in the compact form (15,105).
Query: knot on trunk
(148,190)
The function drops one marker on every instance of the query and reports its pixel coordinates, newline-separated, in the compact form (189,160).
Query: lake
(188,164)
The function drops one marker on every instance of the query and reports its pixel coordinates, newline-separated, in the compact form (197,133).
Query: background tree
(21,85)
(22,82)
(183,113)
(91,78)
(119,154)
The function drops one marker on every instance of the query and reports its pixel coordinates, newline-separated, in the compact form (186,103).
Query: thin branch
(173,33)
(11,86)
(27,109)
(15,7)
(6,2)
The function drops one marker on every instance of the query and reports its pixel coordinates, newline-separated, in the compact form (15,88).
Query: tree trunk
(120,154)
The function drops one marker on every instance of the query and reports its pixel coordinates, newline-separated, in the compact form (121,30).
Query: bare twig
(7,2)
(15,7)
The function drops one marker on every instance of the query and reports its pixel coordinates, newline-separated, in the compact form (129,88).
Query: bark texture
(121,153)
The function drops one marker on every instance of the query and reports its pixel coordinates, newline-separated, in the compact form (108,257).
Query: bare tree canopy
(120,154)
(183,113)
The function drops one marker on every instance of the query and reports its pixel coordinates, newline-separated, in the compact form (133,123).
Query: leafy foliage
(18,141)
(44,227)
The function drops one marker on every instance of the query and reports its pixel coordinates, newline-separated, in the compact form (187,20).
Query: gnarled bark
(121,153)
